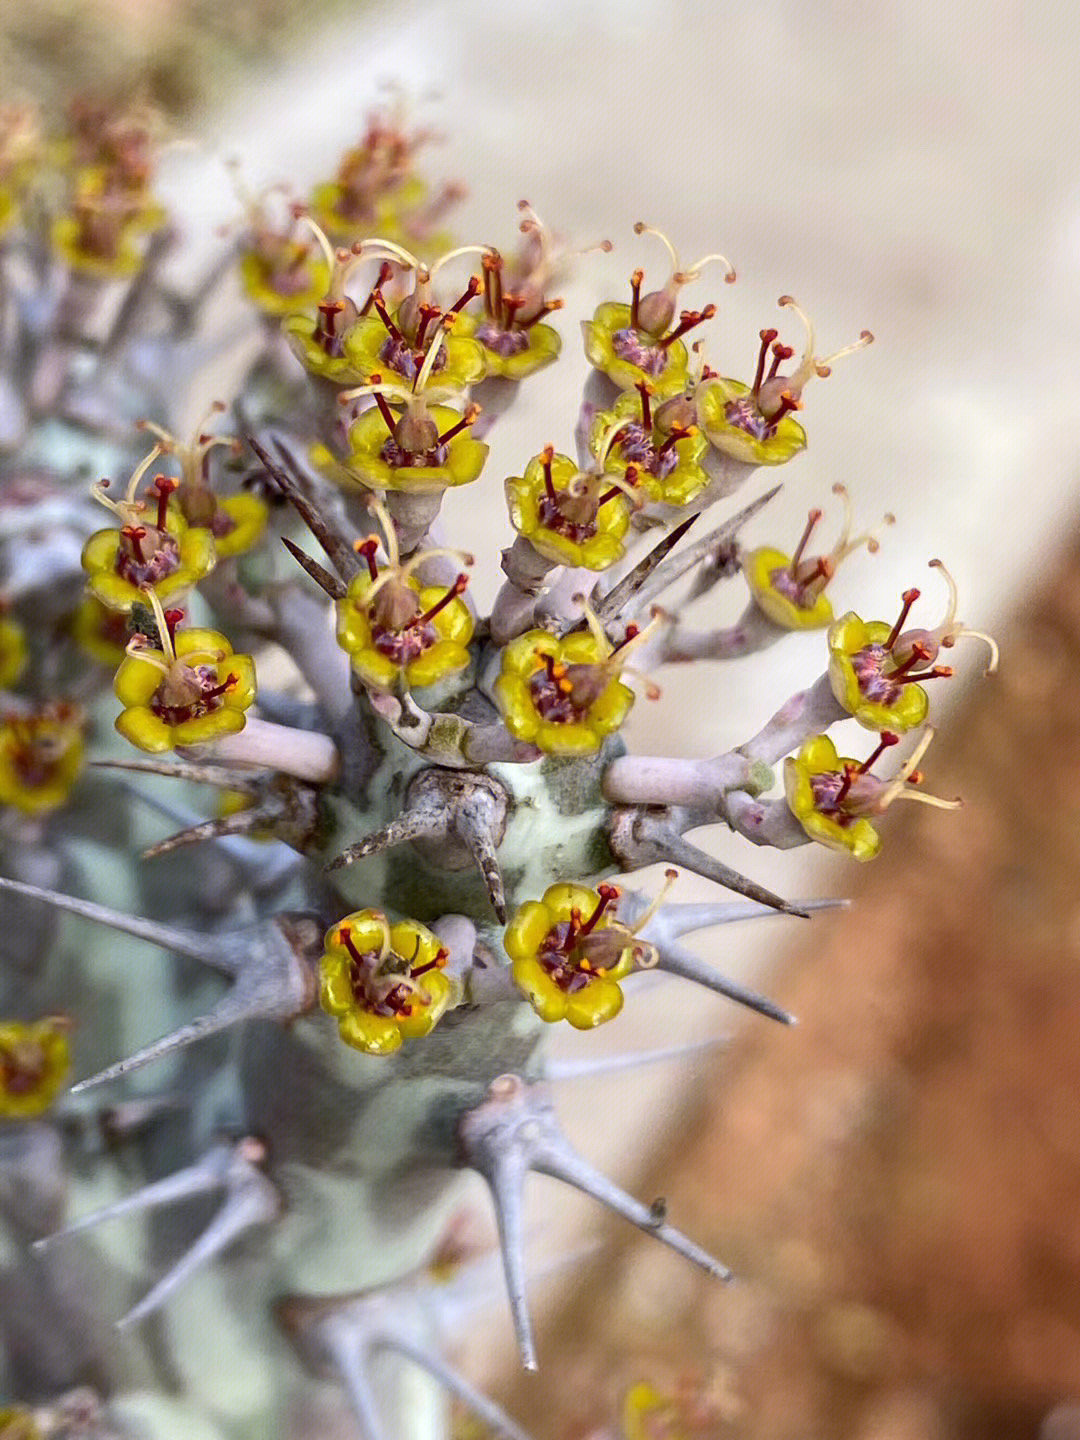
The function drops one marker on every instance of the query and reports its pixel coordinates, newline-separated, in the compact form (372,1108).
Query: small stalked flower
(658,442)
(515,341)
(189,689)
(572,516)
(565,696)
(34,1062)
(383,982)
(235,521)
(636,341)
(874,668)
(280,271)
(425,447)
(791,589)
(376,190)
(396,344)
(167,555)
(833,796)
(392,626)
(41,756)
(12,650)
(755,423)
(318,341)
(568,952)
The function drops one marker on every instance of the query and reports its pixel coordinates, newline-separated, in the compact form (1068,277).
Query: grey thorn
(351,1362)
(339,552)
(675,960)
(271,966)
(643,836)
(168,937)
(223,827)
(610,607)
(477,824)
(492,1415)
(265,865)
(251,1199)
(672,921)
(322,577)
(421,820)
(558,1070)
(514,1130)
(219,775)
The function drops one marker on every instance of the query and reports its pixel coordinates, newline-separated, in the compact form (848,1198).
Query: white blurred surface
(907,168)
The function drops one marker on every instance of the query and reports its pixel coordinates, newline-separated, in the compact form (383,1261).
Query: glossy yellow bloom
(12,651)
(34,1061)
(866,680)
(734,426)
(768,574)
(568,954)
(119,259)
(584,529)
(813,781)
(430,643)
(627,356)
(193,691)
(119,565)
(346,210)
(378,461)
(304,335)
(515,352)
(383,982)
(668,466)
(564,696)
(373,350)
(41,756)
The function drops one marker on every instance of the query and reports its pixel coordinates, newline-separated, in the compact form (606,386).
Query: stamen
(908,597)
(472,289)
(162,488)
(824,367)
(788,403)
(688,320)
(377,248)
(367,549)
(385,271)
(811,520)
(780,354)
(885,742)
(472,413)
(635,296)
(424,373)
(461,250)
(608,894)
(455,590)
(546,457)
(644,389)
(766,337)
(135,534)
(379,303)
(161,619)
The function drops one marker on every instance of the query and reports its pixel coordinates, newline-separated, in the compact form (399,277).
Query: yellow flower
(421,630)
(814,784)
(191,690)
(564,696)
(34,1061)
(832,796)
(165,555)
(382,454)
(380,344)
(12,651)
(666,464)
(568,954)
(626,356)
(870,682)
(515,343)
(569,516)
(753,423)
(384,983)
(102,633)
(41,755)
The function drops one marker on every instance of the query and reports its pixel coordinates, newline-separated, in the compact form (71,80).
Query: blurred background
(897,1180)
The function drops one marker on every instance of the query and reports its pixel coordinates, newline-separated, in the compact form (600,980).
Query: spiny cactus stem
(648,836)
(245,780)
(673,920)
(751,633)
(556,1071)
(287,475)
(329,584)
(669,780)
(610,606)
(809,712)
(450,740)
(524,567)
(305,754)
(410,825)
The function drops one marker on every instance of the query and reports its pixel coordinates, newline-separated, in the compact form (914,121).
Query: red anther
(787,404)
(427,314)
(908,597)
(456,589)
(679,432)
(379,303)
(172,619)
(345,935)
(850,771)
(919,655)
(547,455)
(916,777)
(766,337)
(385,271)
(811,520)
(608,894)
(939,672)
(644,389)
(162,488)
(472,289)
(780,354)
(217,690)
(134,534)
(688,319)
(885,741)
(635,293)
(367,549)
(547,308)
(469,418)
